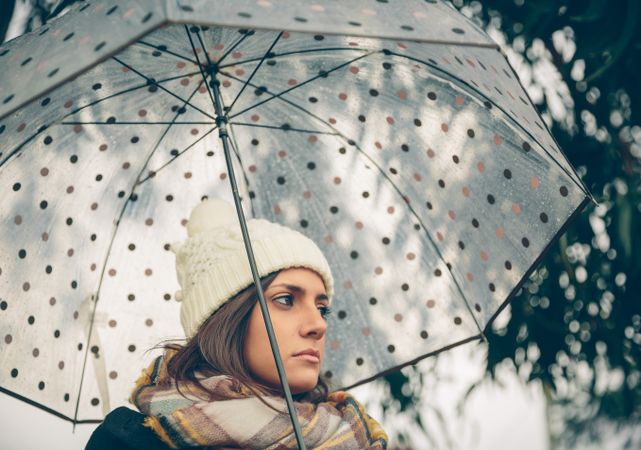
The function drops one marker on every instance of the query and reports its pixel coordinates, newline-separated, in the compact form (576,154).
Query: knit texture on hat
(212,264)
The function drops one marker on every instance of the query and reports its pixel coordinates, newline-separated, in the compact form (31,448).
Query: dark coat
(123,429)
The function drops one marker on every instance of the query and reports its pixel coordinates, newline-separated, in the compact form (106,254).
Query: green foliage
(576,324)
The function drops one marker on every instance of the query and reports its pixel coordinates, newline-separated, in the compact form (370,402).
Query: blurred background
(561,370)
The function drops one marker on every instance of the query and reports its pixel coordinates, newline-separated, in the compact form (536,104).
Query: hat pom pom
(211,214)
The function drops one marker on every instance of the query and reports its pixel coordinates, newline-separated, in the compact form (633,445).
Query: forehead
(304,278)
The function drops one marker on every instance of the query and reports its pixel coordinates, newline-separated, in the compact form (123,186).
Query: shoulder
(123,429)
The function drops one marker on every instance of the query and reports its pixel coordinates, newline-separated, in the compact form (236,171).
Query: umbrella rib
(9,155)
(517,124)
(229,108)
(385,176)
(233,47)
(177,55)
(143,180)
(186,102)
(274,127)
(140,123)
(309,80)
(295,52)
(107,253)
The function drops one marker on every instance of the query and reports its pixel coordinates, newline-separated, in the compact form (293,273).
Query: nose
(313,324)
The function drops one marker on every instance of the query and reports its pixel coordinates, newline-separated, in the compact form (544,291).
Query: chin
(302,386)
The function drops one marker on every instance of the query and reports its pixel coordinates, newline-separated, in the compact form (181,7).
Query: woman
(221,389)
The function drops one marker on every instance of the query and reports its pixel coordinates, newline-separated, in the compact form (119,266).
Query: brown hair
(217,348)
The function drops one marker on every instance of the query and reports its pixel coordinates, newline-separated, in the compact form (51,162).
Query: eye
(325,311)
(285,299)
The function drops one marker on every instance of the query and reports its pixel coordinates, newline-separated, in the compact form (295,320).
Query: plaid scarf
(235,418)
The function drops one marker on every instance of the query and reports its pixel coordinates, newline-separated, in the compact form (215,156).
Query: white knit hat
(212,264)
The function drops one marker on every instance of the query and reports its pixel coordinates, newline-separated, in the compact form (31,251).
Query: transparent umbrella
(399,139)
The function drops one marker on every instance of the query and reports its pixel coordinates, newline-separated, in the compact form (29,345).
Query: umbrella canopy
(400,140)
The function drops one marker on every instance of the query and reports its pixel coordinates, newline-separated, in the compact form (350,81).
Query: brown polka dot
(142,112)
(93,267)
(332,120)
(26,286)
(366,331)
(112,323)
(184,222)
(430,303)
(103,147)
(389,120)
(282,153)
(61,365)
(312,138)
(337,180)
(359,225)
(255,117)
(277,209)
(378,270)
(466,191)
(457,320)
(342,96)
(68,103)
(17,220)
(469,276)
(149,322)
(94,206)
(69,189)
(307,195)
(430,153)
(353,69)
(45,236)
(418,177)
(483,255)
(8,339)
(223,176)
(500,232)
(444,127)
(21,127)
(126,165)
(402,94)
(292,82)
(411,256)
(398,317)
(75,315)
(252,168)
(194,131)
(481,167)
(113,375)
(52,301)
(70,252)
(112,272)
(390,210)
(148,272)
(498,139)
(44,171)
(149,221)
(328,239)
(439,235)
(35,352)
(187,175)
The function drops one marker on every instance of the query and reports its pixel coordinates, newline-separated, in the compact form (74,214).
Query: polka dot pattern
(401,160)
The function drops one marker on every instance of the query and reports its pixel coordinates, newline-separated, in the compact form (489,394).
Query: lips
(309,354)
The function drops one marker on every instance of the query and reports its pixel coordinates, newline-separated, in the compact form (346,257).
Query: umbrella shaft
(221,121)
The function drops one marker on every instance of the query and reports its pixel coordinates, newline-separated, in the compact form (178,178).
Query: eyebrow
(298,289)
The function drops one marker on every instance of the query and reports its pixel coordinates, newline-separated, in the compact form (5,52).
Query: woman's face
(297,303)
